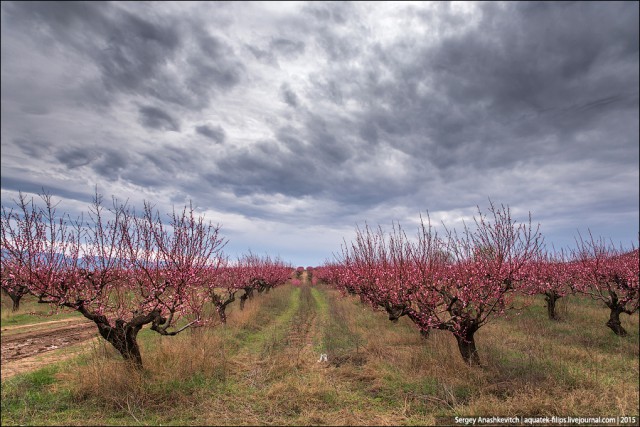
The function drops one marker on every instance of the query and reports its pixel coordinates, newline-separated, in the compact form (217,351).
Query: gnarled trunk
(124,338)
(424,332)
(614,321)
(464,334)
(15,293)
(395,311)
(467,347)
(15,301)
(614,316)
(551,298)
(248,293)
(221,305)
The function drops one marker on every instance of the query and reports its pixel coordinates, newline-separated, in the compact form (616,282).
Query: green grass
(30,311)
(261,368)
(31,393)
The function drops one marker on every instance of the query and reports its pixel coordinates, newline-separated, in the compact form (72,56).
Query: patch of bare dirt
(29,347)
(28,364)
(41,325)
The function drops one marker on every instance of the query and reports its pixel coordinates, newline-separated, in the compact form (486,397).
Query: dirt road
(28,347)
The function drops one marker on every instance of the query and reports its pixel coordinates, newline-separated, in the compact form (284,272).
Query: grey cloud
(266,169)
(110,164)
(57,16)
(35,148)
(335,27)
(215,133)
(487,96)
(331,89)
(155,118)
(28,186)
(134,54)
(288,48)
(288,95)
(368,132)
(262,55)
(333,12)
(214,65)
(36,110)
(325,145)
(152,166)
(533,104)
(74,157)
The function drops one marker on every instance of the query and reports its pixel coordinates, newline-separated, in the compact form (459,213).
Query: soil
(29,347)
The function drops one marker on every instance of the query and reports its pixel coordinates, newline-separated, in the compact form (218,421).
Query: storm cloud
(303,119)
(215,133)
(155,118)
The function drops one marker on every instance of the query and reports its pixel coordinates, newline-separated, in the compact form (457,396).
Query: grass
(262,368)
(30,312)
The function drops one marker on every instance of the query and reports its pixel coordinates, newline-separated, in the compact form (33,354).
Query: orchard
(123,269)
(463,280)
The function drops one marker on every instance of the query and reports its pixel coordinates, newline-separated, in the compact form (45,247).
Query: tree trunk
(424,332)
(551,298)
(222,314)
(614,321)
(221,306)
(124,338)
(248,293)
(15,299)
(395,311)
(467,347)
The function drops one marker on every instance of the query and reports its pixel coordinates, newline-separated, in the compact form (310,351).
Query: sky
(290,123)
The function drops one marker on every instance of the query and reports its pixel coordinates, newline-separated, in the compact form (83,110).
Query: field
(263,368)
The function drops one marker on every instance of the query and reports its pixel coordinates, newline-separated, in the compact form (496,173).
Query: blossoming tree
(456,284)
(118,269)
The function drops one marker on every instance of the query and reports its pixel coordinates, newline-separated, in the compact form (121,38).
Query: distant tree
(12,288)
(551,275)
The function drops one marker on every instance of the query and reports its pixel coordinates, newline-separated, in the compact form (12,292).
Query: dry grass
(262,368)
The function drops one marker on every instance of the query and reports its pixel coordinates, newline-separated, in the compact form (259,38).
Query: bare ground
(29,347)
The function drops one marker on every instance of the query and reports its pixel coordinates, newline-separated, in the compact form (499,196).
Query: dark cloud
(487,96)
(110,164)
(339,112)
(27,185)
(287,48)
(266,169)
(155,118)
(262,55)
(288,95)
(74,157)
(214,66)
(325,146)
(135,53)
(215,133)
